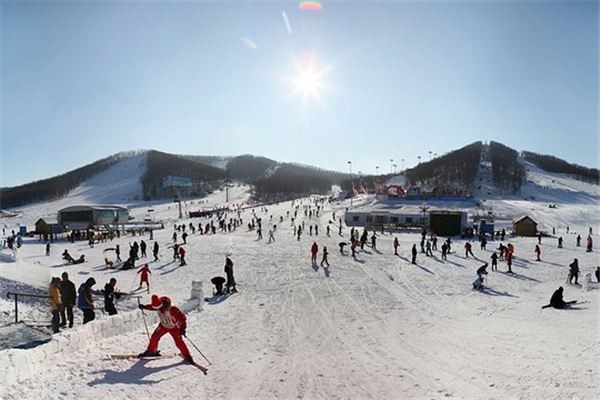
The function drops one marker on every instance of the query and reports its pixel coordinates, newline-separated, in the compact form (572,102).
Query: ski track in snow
(374,327)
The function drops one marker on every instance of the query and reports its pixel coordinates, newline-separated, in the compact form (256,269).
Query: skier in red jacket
(145,270)
(172,321)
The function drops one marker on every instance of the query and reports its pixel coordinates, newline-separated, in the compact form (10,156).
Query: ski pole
(196,347)
(145,323)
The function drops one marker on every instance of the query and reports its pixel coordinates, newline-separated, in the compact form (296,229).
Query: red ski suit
(144,274)
(172,321)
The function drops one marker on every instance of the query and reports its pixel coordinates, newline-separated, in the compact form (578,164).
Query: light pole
(395,166)
(352,194)
(402,164)
(419,158)
(430,155)
(377,169)
(391,165)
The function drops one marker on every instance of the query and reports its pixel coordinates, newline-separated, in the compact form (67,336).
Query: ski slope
(371,327)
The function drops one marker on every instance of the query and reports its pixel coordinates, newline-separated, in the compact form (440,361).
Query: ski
(195,364)
(566,304)
(136,356)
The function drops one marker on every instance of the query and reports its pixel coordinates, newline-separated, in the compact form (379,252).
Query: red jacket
(144,271)
(314,249)
(181,252)
(171,318)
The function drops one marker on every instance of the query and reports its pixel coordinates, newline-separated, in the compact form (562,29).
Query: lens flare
(310,6)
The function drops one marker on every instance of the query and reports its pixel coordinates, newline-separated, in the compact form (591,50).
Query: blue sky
(81,81)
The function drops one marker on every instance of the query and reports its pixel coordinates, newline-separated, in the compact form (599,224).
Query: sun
(308,80)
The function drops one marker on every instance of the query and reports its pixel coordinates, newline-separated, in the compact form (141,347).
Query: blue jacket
(84,300)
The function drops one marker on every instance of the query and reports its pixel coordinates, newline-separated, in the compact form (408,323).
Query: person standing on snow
(172,321)
(118,252)
(68,295)
(230,278)
(314,249)
(325,254)
(414,254)
(468,250)
(144,271)
(155,251)
(373,241)
(55,303)
(494,258)
(143,248)
(396,245)
(109,296)
(538,251)
(428,251)
(86,302)
(574,271)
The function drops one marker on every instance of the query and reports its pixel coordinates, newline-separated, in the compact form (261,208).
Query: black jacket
(557,299)
(67,292)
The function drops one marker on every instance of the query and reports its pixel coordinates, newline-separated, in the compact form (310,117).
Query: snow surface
(371,327)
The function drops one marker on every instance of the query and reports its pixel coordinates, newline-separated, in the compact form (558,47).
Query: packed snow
(374,326)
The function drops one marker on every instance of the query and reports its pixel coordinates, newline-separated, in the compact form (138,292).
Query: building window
(394,220)
(409,220)
(355,218)
(369,218)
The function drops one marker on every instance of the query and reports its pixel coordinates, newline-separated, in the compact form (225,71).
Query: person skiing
(578,240)
(314,249)
(328,229)
(184,237)
(68,295)
(325,254)
(468,250)
(374,241)
(396,245)
(172,321)
(259,233)
(174,237)
(341,245)
(444,251)
(143,248)
(55,303)
(560,242)
(494,258)
(502,234)
(118,253)
(483,242)
(110,294)
(509,258)
(144,271)
(574,271)
(589,244)
(47,249)
(86,302)
(271,237)
(414,254)
(482,271)
(538,251)
(539,238)
(182,256)
(229,273)
(597,273)
(155,251)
